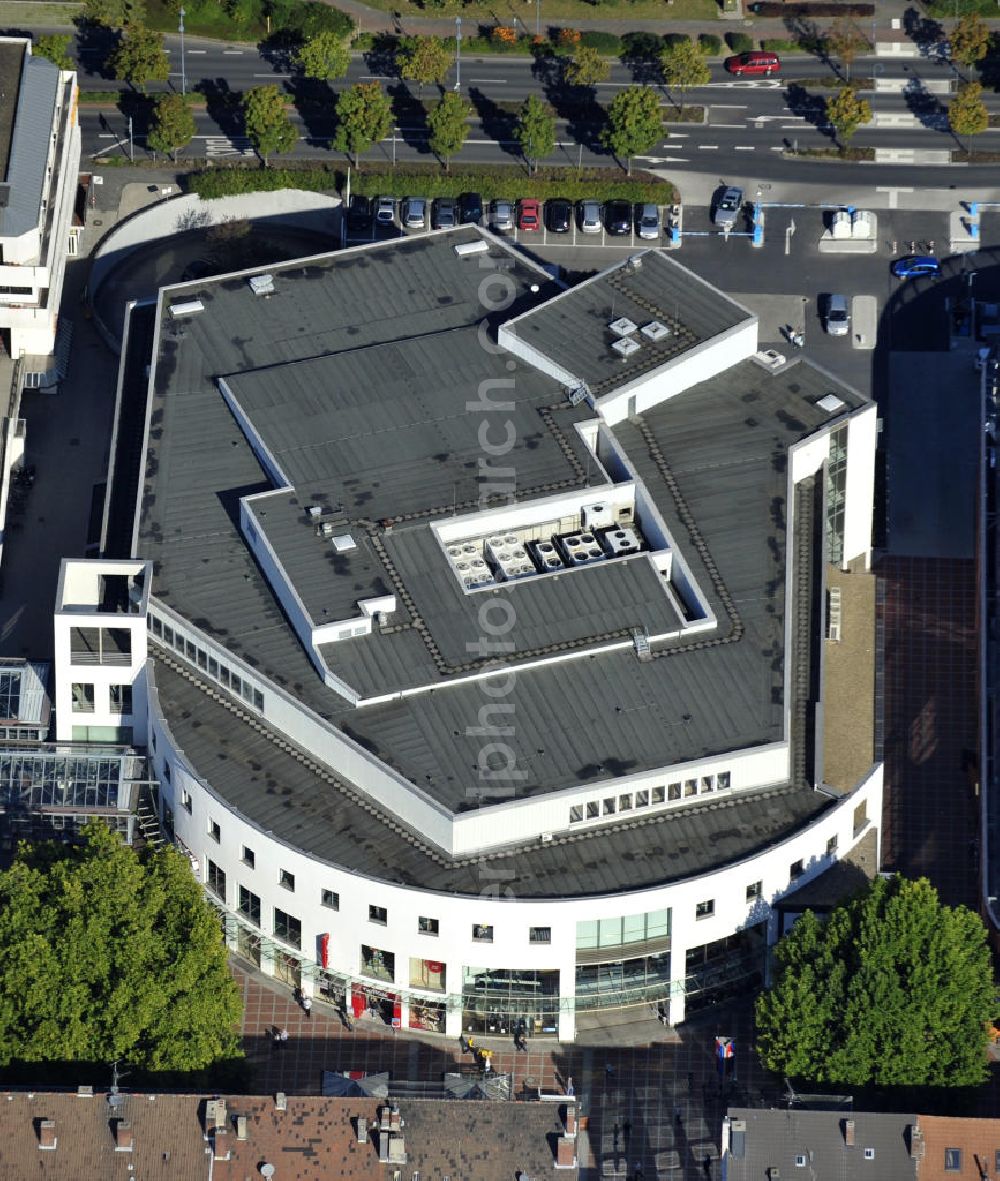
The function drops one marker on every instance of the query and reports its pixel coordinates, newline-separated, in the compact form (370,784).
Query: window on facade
(83,698)
(836,495)
(249,906)
(609,807)
(286,880)
(593,809)
(704,910)
(482,933)
(754,891)
(623,930)
(625,803)
(120,697)
(378,963)
(795,870)
(707,783)
(378,914)
(659,795)
(860,817)
(330,899)
(642,799)
(217,881)
(427,926)
(258,700)
(186,803)
(831,845)
(539,934)
(576,814)
(673,791)
(287,928)
(690,787)
(953,1160)
(723,780)
(249,857)
(214,831)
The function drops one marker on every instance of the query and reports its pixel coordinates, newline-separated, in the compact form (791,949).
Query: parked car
(558,215)
(529,217)
(727,208)
(588,217)
(916,264)
(470,209)
(444,214)
(836,318)
(385,211)
(756,61)
(502,218)
(618,217)
(647,221)
(413,213)
(359,213)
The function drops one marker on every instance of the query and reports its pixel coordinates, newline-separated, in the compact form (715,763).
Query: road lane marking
(729,126)
(194,52)
(232,52)
(708,147)
(283,76)
(742,148)
(498,81)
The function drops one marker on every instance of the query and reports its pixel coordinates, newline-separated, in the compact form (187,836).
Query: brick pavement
(930,722)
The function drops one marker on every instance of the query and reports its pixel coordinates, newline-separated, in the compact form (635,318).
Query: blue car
(916,264)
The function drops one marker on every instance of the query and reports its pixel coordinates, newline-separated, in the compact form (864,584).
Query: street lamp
(180,28)
(458,53)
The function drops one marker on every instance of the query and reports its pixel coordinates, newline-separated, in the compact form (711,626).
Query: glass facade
(623,982)
(496,1000)
(618,932)
(836,495)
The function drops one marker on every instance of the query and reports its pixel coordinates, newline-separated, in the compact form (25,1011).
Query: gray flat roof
(715,456)
(29,143)
(11,58)
(573,330)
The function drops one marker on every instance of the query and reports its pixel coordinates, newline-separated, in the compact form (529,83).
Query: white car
(413,213)
(502,215)
(647,221)
(589,217)
(838,318)
(385,211)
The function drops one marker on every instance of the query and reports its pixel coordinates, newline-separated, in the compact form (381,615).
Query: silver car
(647,221)
(385,211)
(728,208)
(589,217)
(414,213)
(838,318)
(503,216)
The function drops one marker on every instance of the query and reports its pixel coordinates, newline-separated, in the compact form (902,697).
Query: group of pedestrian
(280,1038)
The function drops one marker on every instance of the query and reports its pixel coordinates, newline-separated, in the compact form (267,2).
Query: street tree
(108,954)
(586,68)
(683,65)
(172,127)
(364,117)
(893,989)
(535,131)
(54,47)
(424,60)
(140,57)
(967,113)
(268,126)
(845,40)
(324,57)
(970,40)
(448,127)
(635,123)
(846,112)
(114,14)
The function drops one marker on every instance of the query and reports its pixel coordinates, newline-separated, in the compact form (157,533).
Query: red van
(754,62)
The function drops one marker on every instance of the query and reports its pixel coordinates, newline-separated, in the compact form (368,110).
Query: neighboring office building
(39,172)
(353,502)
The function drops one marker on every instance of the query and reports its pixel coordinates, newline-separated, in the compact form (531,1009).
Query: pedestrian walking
(276,1039)
(609,1072)
(307,1006)
(570,1089)
(283,1038)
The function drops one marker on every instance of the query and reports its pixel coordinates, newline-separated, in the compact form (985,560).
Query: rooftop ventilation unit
(580,549)
(508,556)
(343,543)
(545,556)
(578,394)
(626,347)
(262,284)
(481,246)
(187,307)
(655,330)
(620,541)
(597,516)
(623,326)
(314,511)
(830,403)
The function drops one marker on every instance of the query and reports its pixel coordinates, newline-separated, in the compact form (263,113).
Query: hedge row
(783,45)
(812,10)
(429,181)
(739,42)
(628,45)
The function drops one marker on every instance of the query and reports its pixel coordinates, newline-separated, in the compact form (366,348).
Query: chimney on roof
(383,1147)
(916,1142)
(123,1135)
(85,1092)
(281,1101)
(241,1127)
(566,1152)
(362,1130)
(220,1142)
(47,1138)
(395,1119)
(848,1125)
(570,1119)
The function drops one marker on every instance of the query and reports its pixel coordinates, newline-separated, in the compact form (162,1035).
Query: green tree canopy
(109,954)
(324,56)
(448,127)
(846,112)
(683,65)
(587,68)
(635,123)
(364,117)
(424,60)
(54,47)
(172,126)
(535,131)
(114,14)
(267,123)
(894,989)
(967,113)
(140,57)
(970,40)
(845,40)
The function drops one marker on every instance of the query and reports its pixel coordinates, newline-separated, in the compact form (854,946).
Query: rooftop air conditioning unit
(545,556)
(655,330)
(262,284)
(343,543)
(187,307)
(481,246)
(625,347)
(597,516)
(314,511)
(621,541)
(623,326)
(580,549)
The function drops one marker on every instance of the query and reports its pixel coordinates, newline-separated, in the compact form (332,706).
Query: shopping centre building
(482,633)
